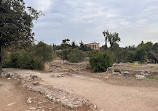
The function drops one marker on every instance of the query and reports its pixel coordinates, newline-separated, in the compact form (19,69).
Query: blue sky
(134,20)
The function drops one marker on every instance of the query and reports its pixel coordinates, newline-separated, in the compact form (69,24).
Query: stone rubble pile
(56,95)
(138,74)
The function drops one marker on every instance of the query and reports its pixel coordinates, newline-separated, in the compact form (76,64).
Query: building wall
(94,46)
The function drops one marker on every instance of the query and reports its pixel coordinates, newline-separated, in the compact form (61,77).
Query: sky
(85,20)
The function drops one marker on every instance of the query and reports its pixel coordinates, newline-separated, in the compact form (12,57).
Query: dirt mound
(65,66)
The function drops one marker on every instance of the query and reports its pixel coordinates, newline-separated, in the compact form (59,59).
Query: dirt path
(10,97)
(13,97)
(107,97)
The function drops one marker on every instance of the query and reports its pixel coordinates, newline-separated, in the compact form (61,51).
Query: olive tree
(16,23)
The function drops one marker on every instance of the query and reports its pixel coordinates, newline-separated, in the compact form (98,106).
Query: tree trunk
(0,59)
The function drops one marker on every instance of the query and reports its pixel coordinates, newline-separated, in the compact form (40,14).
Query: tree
(44,52)
(64,54)
(65,41)
(76,56)
(111,37)
(106,34)
(73,45)
(16,23)
(65,44)
(141,55)
(84,47)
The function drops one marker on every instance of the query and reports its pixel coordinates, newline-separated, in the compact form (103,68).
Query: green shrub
(32,59)
(22,59)
(44,52)
(100,61)
(14,60)
(64,53)
(76,56)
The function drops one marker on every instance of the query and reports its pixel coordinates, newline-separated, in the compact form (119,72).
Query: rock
(110,70)
(35,83)
(11,104)
(6,75)
(33,108)
(33,76)
(140,77)
(29,100)
(126,74)
(147,75)
(57,75)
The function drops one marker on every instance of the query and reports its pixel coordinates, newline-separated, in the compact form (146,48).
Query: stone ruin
(138,74)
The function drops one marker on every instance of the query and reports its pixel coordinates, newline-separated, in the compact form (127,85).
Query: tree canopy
(16,23)
(112,38)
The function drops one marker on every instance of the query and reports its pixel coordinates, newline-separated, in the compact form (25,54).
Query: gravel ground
(14,97)
(106,95)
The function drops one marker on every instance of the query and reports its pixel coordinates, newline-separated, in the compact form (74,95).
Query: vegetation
(113,38)
(16,24)
(44,52)
(65,45)
(33,59)
(143,53)
(76,56)
(72,55)
(100,61)
(17,48)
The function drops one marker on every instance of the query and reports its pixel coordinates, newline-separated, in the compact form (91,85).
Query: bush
(100,61)
(22,59)
(44,52)
(64,53)
(33,59)
(14,60)
(76,56)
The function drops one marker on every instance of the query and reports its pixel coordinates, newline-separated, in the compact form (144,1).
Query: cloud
(86,19)
(42,5)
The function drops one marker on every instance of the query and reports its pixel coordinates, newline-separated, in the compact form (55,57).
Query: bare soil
(113,94)
(13,97)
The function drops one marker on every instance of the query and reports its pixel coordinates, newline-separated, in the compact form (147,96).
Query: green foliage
(100,61)
(16,23)
(64,54)
(72,55)
(84,47)
(111,37)
(73,45)
(34,59)
(44,52)
(141,55)
(22,59)
(76,56)
(130,56)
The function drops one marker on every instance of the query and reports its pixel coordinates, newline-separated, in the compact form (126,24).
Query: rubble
(138,74)
(29,100)
(35,83)
(140,77)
